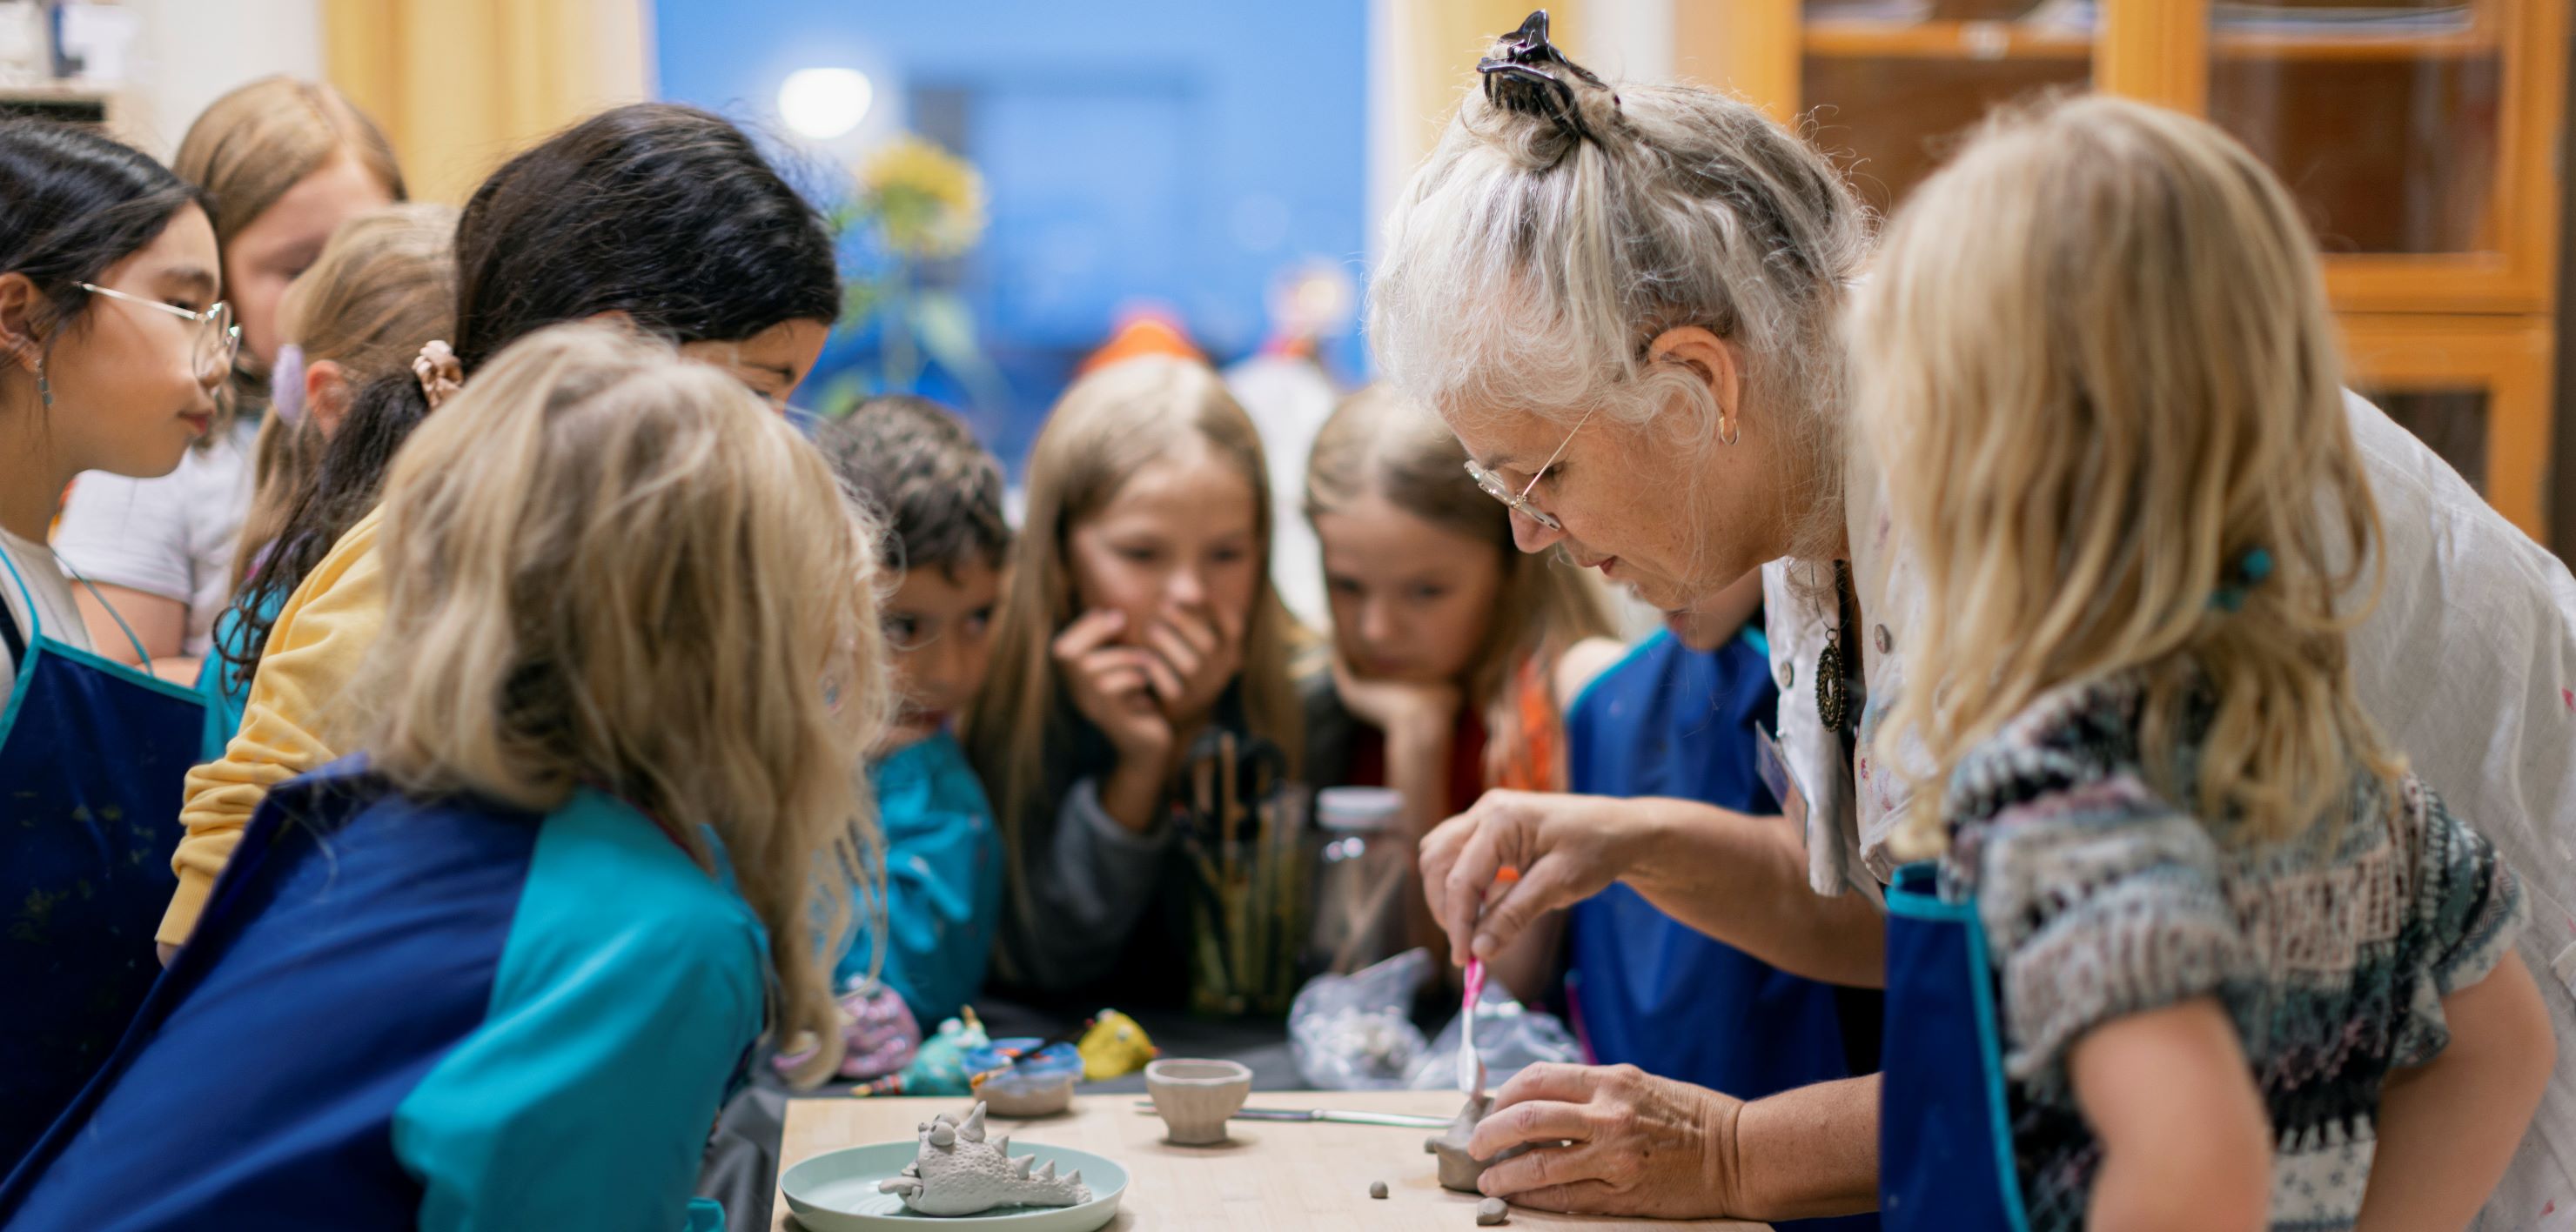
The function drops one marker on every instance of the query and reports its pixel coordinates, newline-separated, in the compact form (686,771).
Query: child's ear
(326,394)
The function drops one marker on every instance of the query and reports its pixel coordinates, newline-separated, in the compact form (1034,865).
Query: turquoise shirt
(943,879)
(226,697)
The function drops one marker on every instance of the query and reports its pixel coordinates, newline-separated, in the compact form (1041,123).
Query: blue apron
(93,756)
(1945,1153)
(1672,721)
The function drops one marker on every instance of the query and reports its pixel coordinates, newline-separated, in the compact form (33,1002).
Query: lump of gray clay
(1492,1211)
(1377,1189)
(1458,1169)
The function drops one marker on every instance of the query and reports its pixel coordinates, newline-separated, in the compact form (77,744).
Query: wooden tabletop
(1271,1175)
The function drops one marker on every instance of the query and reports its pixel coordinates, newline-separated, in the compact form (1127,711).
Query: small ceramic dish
(1040,1085)
(836,1191)
(1195,1098)
(1012,1094)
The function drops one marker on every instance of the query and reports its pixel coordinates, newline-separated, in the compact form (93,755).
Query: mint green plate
(836,1191)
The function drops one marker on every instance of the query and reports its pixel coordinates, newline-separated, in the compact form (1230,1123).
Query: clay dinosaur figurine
(958,1173)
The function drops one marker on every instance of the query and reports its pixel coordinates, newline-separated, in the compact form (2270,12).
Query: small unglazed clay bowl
(1194,1098)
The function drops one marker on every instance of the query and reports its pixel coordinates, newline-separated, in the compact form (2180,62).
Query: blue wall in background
(1181,152)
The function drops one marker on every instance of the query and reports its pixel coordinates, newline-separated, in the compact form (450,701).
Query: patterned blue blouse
(2103,898)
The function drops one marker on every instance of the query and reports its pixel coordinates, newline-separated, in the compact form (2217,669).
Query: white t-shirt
(2468,665)
(54,605)
(173,536)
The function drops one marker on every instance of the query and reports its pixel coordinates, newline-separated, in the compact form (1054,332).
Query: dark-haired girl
(113,338)
(660,216)
(282,163)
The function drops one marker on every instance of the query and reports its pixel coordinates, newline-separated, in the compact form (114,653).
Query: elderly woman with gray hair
(1626,304)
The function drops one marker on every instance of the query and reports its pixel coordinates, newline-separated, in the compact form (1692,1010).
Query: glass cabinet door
(2476,389)
(2397,125)
(1890,84)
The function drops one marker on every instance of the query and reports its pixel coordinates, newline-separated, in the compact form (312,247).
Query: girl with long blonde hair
(1454,655)
(2176,861)
(1139,616)
(383,287)
(600,833)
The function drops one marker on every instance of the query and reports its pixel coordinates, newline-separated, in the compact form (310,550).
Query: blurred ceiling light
(1314,299)
(823,103)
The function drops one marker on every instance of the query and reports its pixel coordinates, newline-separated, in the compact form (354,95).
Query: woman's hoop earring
(1727,431)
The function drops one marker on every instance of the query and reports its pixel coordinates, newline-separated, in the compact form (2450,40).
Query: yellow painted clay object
(1113,1047)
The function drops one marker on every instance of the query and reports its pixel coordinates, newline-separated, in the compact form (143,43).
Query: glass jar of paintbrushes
(1242,827)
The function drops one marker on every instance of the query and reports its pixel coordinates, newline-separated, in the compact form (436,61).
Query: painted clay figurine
(1114,1046)
(939,1066)
(957,1172)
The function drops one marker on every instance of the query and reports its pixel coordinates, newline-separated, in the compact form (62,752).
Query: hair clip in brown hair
(1526,73)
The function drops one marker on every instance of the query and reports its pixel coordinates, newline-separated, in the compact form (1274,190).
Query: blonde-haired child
(602,825)
(2241,969)
(1454,653)
(1139,616)
(384,286)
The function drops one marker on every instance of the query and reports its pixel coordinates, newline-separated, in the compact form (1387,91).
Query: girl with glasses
(113,340)
(284,163)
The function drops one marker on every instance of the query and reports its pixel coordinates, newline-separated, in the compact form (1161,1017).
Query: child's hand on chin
(1114,685)
(1197,654)
(1393,706)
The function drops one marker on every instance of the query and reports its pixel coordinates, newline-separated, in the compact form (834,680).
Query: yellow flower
(929,202)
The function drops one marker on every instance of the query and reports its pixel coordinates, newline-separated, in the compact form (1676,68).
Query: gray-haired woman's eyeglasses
(1519,502)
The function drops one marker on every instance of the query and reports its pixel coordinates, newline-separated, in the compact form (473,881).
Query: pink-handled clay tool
(1471,1068)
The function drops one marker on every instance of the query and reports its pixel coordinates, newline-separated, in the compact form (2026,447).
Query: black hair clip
(1523,75)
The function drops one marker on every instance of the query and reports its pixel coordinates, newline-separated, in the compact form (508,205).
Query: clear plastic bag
(1510,1037)
(1355,1032)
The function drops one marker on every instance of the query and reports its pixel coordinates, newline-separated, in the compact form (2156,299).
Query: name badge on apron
(1782,781)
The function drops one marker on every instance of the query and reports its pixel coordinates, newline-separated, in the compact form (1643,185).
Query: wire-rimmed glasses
(218,335)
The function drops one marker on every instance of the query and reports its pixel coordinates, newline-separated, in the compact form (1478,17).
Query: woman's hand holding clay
(1611,1140)
(1115,686)
(1567,848)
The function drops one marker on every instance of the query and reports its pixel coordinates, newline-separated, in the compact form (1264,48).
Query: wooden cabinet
(2420,136)
(2476,388)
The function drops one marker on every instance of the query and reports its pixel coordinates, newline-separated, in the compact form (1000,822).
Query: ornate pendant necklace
(1834,686)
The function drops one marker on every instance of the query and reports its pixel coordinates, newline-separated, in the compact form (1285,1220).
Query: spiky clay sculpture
(958,1173)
